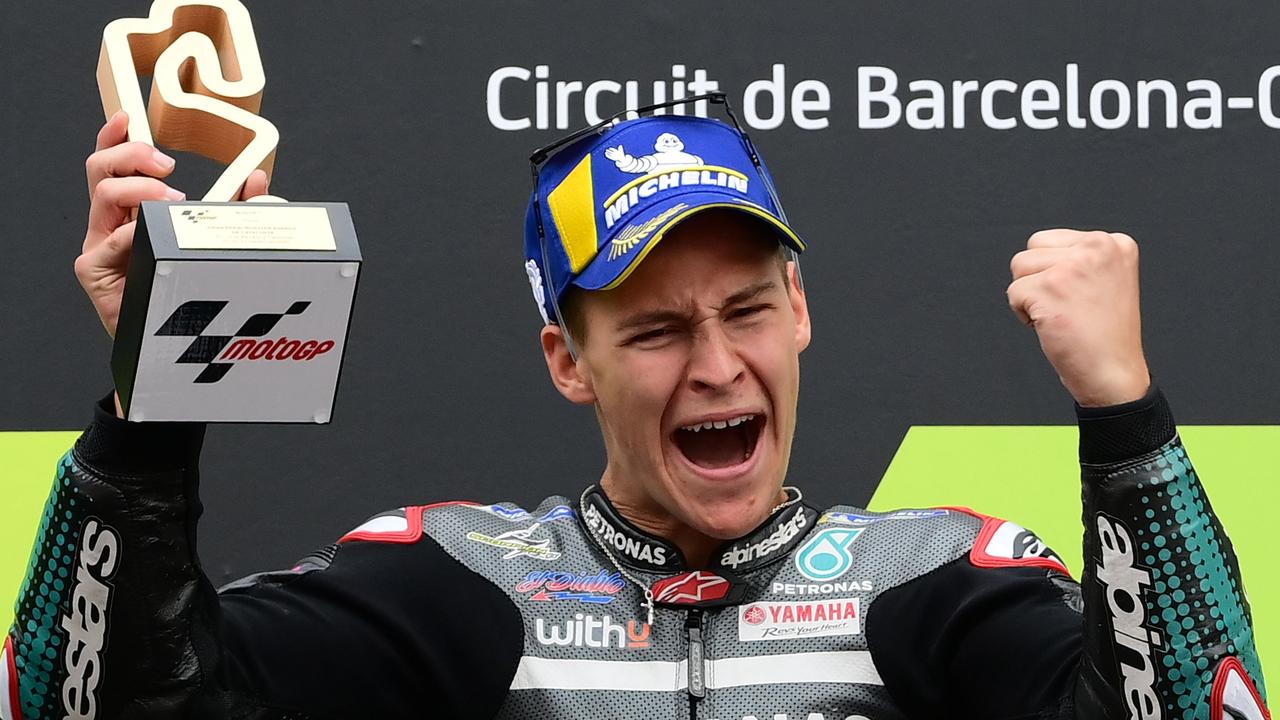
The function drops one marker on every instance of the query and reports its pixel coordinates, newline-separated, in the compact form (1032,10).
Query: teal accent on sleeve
(42,599)
(1029,474)
(1169,487)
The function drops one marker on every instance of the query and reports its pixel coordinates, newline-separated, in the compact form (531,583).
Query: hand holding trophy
(221,282)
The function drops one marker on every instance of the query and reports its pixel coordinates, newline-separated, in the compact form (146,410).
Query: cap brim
(630,242)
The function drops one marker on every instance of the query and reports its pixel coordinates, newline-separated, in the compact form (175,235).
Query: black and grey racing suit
(461,610)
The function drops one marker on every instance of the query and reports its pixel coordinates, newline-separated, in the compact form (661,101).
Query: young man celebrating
(690,582)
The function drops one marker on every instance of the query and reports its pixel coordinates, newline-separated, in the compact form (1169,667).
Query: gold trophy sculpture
(233,311)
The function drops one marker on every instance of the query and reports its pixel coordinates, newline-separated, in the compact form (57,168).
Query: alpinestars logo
(783,534)
(216,352)
(87,625)
(691,588)
(1123,580)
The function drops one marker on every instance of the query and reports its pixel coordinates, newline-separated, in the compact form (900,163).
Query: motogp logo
(826,555)
(216,352)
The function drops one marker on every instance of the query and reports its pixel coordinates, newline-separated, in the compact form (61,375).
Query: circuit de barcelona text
(537,97)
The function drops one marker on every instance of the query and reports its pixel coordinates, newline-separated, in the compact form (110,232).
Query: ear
(566,373)
(799,307)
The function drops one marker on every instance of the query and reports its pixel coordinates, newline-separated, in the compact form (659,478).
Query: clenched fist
(1079,290)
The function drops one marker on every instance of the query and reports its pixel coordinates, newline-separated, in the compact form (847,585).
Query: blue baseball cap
(604,202)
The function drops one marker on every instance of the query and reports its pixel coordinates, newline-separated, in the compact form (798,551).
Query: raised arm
(1167,630)
(1159,628)
(116,619)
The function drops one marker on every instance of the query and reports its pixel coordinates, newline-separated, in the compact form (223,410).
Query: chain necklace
(648,587)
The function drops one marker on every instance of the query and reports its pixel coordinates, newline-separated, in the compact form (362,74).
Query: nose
(714,363)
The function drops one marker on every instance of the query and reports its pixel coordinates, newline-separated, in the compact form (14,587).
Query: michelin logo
(668,154)
(668,168)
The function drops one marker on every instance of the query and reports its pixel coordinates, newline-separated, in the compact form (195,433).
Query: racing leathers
(461,610)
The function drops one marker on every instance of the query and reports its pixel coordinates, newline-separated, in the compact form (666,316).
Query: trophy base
(236,312)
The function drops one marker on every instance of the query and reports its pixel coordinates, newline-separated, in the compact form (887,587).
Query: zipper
(697,655)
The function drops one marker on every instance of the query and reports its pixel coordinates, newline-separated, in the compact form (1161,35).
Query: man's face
(693,365)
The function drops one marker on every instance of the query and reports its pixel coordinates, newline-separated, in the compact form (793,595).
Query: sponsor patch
(585,630)
(546,585)
(518,543)
(781,536)
(850,518)
(801,619)
(826,555)
(691,588)
(515,514)
(627,543)
(1005,544)
(843,586)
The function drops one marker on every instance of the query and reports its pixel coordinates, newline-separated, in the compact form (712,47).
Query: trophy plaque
(232,311)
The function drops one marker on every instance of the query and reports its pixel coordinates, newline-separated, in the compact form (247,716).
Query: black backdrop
(444,394)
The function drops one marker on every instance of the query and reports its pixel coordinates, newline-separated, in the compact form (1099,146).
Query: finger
(1029,262)
(110,254)
(1020,293)
(255,184)
(114,132)
(116,198)
(134,158)
(1057,237)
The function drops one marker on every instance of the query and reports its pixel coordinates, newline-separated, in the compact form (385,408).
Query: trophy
(232,311)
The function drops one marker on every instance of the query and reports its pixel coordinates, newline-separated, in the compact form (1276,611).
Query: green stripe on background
(1029,475)
(982,467)
(28,463)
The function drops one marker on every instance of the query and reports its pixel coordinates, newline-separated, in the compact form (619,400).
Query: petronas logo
(826,555)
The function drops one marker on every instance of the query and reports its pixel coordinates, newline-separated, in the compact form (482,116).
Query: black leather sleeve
(1165,608)
(1159,612)
(115,618)
(971,642)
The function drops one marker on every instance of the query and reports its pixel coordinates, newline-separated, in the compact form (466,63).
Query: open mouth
(720,444)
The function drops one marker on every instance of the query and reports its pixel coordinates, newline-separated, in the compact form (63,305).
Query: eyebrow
(660,316)
(750,293)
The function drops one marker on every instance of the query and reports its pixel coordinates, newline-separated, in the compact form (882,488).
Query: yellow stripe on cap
(574,215)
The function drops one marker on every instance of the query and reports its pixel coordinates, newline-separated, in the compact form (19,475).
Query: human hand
(1079,290)
(121,175)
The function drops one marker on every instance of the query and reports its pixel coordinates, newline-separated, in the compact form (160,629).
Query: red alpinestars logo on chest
(691,588)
